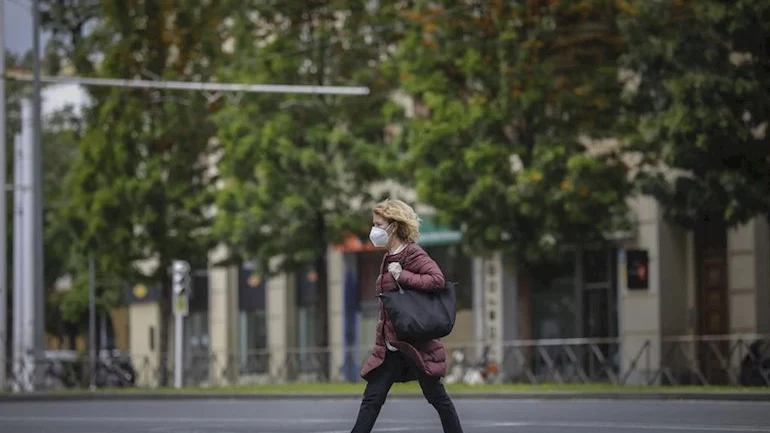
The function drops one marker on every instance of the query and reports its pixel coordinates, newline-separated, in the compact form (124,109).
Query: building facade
(706,282)
(631,307)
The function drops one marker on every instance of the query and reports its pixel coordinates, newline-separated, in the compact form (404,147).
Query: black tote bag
(418,315)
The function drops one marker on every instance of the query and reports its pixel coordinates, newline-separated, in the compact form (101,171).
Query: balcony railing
(730,360)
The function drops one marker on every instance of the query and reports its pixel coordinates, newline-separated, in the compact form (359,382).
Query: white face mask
(378,236)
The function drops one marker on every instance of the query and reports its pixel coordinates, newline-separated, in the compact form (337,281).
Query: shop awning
(432,233)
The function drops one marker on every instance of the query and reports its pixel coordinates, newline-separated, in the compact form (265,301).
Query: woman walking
(396,228)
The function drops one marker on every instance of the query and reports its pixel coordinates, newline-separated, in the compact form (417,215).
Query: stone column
(493,305)
(748,283)
(748,277)
(336,312)
(144,322)
(222,295)
(281,318)
(639,310)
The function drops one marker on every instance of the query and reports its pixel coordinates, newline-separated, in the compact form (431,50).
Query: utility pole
(19,289)
(180,284)
(37,192)
(3,214)
(24,293)
(92,318)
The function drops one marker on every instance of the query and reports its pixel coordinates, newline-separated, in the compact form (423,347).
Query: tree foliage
(698,106)
(297,168)
(507,96)
(66,312)
(60,138)
(141,186)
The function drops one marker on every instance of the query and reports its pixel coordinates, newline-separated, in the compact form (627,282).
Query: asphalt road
(336,416)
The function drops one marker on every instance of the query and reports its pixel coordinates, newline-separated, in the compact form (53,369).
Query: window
(554,307)
(253,342)
(307,288)
(252,319)
(196,337)
(596,267)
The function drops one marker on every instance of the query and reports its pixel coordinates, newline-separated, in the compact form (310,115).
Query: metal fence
(731,360)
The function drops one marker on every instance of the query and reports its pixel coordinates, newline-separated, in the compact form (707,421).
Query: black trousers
(380,381)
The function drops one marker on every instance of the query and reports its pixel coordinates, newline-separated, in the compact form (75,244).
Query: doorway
(577,298)
(712,299)
(307,360)
(598,318)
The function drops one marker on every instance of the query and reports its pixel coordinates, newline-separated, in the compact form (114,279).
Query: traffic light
(637,270)
(180,277)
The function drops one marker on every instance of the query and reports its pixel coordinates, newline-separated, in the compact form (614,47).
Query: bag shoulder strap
(400,263)
(400,289)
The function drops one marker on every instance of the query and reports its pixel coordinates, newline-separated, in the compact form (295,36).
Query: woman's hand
(395,270)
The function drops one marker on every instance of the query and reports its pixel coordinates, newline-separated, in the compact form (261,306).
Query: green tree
(297,169)
(67,312)
(68,22)
(698,106)
(140,187)
(508,94)
(61,135)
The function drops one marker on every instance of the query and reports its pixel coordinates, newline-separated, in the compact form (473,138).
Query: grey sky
(17,26)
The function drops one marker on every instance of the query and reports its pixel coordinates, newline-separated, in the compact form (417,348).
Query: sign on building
(493,307)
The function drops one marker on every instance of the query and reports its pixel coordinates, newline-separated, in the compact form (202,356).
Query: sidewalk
(408,391)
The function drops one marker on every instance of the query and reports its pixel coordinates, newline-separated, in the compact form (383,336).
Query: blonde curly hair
(405,218)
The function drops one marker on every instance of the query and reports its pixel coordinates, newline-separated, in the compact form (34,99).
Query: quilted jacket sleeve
(420,272)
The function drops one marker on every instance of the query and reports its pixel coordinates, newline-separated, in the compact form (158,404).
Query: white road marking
(628,426)
(386,429)
(589,400)
(166,420)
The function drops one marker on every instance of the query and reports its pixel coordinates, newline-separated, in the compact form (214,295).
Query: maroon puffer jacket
(419,272)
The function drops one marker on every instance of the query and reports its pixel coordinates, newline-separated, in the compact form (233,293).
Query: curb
(186,396)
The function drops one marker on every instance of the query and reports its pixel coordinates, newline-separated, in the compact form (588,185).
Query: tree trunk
(322,315)
(163,334)
(322,328)
(98,334)
(322,312)
(525,314)
(72,337)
